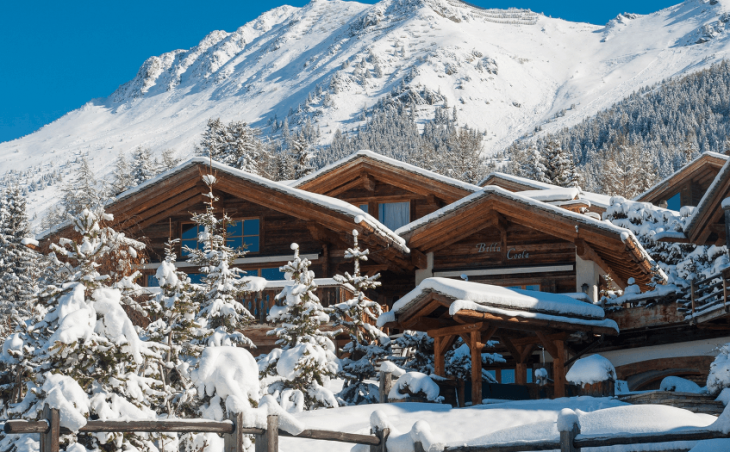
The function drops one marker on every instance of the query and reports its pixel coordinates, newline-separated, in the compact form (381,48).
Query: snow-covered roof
(704,156)
(342,207)
(503,301)
(388,161)
(596,199)
(552,194)
(708,198)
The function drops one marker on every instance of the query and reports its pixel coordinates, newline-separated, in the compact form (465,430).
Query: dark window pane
(189,231)
(674,203)
(189,243)
(533,287)
(272,274)
(196,278)
(394,214)
(508,376)
(251,227)
(252,244)
(152,281)
(235,229)
(234,242)
(364,208)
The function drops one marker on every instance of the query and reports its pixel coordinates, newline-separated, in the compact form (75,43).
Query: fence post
(386,383)
(567,438)
(233,442)
(269,441)
(50,439)
(692,298)
(383,437)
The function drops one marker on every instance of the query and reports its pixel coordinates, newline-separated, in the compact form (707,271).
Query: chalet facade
(509,232)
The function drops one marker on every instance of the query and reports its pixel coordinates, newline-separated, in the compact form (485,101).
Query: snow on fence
(708,296)
(267,440)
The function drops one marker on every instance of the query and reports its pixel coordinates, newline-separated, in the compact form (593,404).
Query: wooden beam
(531,324)
(456,329)
(559,369)
(585,252)
(185,204)
(368,182)
(419,259)
(548,344)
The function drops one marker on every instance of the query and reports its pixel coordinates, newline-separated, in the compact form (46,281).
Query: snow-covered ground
(505,75)
(503,422)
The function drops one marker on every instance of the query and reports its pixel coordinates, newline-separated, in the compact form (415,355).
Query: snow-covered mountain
(507,71)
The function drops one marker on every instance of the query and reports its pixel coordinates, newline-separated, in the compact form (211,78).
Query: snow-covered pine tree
(302,156)
(627,171)
(178,329)
(84,192)
(143,166)
(464,161)
(305,359)
(19,264)
(85,357)
(559,167)
(222,285)
(170,160)
(122,175)
(235,144)
(367,343)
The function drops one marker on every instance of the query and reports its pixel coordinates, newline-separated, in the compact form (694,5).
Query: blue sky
(55,56)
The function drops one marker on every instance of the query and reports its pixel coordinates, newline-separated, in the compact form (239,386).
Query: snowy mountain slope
(508,72)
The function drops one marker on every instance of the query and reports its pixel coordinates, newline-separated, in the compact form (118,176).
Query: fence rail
(708,295)
(267,440)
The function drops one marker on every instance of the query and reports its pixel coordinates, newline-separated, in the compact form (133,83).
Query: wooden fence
(709,295)
(267,440)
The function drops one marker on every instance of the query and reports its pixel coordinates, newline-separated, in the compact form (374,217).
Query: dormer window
(394,214)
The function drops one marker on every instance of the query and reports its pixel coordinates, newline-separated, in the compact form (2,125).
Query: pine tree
(122,175)
(83,192)
(302,156)
(464,161)
(237,145)
(222,285)
(84,355)
(19,265)
(178,329)
(169,160)
(367,343)
(306,357)
(559,167)
(143,166)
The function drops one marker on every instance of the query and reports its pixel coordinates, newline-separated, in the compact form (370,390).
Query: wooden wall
(520,246)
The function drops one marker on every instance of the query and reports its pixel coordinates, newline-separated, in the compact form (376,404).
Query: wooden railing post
(233,442)
(269,441)
(386,383)
(567,438)
(50,439)
(383,437)
(692,298)
(724,291)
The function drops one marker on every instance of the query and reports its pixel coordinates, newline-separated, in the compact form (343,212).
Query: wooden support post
(233,442)
(724,292)
(383,437)
(386,383)
(269,441)
(521,373)
(476,367)
(50,439)
(567,440)
(559,369)
(438,356)
(692,298)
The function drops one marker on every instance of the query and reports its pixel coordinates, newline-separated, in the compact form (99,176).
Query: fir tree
(143,166)
(222,285)
(83,192)
(367,343)
(302,156)
(19,264)
(84,355)
(559,167)
(170,160)
(122,175)
(306,358)
(237,145)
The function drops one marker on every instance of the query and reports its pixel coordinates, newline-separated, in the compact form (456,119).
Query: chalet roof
(331,175)
(709,210)
(522,184)
(155,197)
(616,248)
(501,301)
(707,161)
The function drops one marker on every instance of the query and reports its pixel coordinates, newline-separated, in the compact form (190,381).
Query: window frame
(243,235)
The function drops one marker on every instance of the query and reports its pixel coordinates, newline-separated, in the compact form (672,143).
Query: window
(152,281)
(271,274)
(674,203)
(508,376)
(529,375)
(535,287)
(244,233)
(363,207)
(196,278)
(190,237)
(394,214)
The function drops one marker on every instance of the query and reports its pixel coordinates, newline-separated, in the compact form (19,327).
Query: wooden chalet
(687,186)
(581,201)
(503,238)
(521,320)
